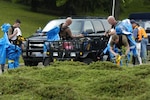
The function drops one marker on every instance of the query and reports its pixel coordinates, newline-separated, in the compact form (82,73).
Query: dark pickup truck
(92,27)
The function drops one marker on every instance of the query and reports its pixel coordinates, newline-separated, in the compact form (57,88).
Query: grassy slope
(76,81)
(9,12)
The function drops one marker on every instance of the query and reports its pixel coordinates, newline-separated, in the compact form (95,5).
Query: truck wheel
(47,61)
(87,60)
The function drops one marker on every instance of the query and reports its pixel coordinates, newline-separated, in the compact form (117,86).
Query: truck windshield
(75,27)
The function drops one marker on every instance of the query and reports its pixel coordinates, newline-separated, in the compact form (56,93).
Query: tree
(34,5)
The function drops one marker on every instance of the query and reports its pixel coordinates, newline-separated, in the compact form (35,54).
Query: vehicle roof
(57,22)
(140,15)
(84,17)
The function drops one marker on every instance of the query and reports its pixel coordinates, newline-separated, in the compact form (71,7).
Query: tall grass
(76,81)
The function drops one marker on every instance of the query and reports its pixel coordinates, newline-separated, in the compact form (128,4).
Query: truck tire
(87,60)
(30,63)
(47,61)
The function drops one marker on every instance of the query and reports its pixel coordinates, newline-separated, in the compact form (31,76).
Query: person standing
(14,31)
(14,50)
(144,43)
(4,44)
(138,38)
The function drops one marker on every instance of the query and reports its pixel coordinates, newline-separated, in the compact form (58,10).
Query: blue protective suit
(8,50)
(4,44)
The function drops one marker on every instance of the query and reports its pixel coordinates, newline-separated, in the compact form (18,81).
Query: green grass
(76,81)
(30,20)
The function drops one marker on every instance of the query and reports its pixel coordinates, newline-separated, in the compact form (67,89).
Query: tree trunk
(117,9)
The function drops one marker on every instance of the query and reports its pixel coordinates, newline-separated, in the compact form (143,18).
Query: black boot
(2,67)
(133,60)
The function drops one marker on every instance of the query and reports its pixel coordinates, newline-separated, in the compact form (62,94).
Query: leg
(2,67)
(144,49)
(138,46)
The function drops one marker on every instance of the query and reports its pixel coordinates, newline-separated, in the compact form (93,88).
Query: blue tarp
(5,27)
(53,34)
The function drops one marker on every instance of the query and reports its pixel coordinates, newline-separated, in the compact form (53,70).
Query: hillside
(9,12)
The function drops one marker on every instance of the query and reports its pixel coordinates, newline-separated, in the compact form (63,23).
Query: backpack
(13,28)
(53,34)
(120,43)
(66,36)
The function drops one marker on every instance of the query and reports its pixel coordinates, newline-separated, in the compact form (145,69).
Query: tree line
(73,7)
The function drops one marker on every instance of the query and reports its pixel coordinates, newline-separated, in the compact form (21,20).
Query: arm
(126,44)
(127,49)
(135,33)
(112,51)
(10,35)
(112,32)
(139,35)
(71,35)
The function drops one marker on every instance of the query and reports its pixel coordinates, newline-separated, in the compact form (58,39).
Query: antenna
(113,8)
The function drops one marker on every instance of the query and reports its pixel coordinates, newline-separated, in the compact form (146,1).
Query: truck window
(76,27)
(88,26)
(98,26)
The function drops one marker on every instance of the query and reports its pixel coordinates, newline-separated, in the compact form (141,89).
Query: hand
(106,34)
(125,56)
(116,54)
(81,35)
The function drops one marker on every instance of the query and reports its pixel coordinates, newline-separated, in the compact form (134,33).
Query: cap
(133,22)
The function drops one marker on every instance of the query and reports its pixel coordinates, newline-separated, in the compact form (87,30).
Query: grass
(76,81)
(30,20)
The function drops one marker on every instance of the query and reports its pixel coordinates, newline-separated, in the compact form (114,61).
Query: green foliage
(104,65)
(76,81)
(60,2)
(57,92)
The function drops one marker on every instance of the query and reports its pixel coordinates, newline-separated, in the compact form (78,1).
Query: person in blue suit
(123,27)
(8,51)
(4,44)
